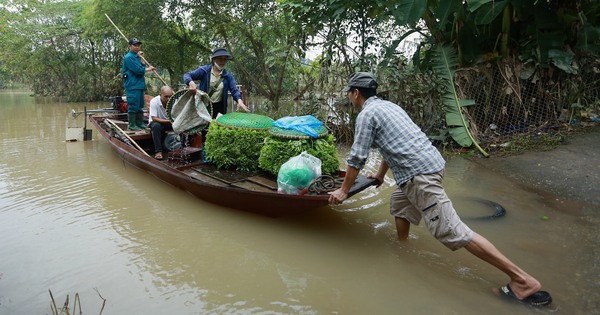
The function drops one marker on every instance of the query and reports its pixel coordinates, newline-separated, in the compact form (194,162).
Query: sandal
(158,156)
(539,298)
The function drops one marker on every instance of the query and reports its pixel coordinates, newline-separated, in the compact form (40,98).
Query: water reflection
(74,217)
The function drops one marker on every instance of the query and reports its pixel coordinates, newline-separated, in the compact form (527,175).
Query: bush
(277,151)
(237,148)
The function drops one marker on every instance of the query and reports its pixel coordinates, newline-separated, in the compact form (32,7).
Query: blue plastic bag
(306,124)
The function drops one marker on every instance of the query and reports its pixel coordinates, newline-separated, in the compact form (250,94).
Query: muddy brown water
(74,218)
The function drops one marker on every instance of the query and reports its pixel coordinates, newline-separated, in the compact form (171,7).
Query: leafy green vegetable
(234,147)
(277,151)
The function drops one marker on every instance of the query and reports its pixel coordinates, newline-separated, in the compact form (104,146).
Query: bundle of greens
(235,148)
(277,151)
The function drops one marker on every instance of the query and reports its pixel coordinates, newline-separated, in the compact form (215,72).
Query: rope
(324,183)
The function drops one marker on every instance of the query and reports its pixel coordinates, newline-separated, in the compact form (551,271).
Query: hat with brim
(134,41)
(361,80)
(220,52)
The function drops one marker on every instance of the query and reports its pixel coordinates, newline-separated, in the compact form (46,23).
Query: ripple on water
(67,199)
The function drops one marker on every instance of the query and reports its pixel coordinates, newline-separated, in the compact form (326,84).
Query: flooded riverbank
(75,219)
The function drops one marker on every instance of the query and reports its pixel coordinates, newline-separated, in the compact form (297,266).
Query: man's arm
(160,120)
(155,104)
(383,168)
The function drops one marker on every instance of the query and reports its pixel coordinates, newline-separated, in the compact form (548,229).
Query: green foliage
(264,39)
(419,94)
(445,62)
(277,151)
(234,148)
(68,48)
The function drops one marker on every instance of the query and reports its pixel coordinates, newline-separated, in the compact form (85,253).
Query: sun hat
(218,52)
(361,80)
(134,41)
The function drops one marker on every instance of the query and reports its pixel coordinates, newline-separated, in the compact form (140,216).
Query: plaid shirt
(402,144)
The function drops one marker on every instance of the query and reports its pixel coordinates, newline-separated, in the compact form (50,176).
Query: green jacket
(133,71)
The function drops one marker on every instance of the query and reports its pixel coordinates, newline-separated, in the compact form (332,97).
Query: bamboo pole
(112,123)
(143,59)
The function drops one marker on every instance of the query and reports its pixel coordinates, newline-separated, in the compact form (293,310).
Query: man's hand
(337,197)
(379,179)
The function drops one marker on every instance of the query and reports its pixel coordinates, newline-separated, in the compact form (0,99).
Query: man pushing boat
(418,169)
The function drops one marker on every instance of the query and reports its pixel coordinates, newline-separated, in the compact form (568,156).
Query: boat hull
(268,203)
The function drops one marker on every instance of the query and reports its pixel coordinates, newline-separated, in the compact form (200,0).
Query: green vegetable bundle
(277,151)
(237,148)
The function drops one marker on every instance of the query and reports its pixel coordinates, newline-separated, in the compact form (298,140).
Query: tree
(262,37)
(43,46)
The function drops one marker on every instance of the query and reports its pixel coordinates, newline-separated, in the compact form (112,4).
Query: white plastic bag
(189,111)
(297,173)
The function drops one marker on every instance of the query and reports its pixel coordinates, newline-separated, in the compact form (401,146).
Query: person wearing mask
(418,168)
(158,120)
(134,82)
(217,82)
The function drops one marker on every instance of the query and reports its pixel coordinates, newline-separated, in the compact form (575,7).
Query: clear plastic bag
(297,173)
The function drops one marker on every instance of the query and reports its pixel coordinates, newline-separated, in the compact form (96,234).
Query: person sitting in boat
(216,82)
(158,120)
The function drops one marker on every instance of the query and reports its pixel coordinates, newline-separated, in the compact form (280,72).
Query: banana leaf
(444,64)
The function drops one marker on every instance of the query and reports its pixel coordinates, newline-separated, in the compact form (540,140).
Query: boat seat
(139,135)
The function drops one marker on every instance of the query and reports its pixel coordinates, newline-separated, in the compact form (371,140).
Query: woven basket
(245,121)
(278,132)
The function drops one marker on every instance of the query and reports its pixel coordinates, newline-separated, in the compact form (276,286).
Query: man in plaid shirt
(418,169)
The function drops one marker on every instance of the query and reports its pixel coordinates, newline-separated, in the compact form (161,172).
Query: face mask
(219,67)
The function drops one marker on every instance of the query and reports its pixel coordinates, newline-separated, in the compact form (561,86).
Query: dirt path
(570,171)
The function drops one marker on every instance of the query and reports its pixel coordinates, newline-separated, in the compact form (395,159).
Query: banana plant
(444,63)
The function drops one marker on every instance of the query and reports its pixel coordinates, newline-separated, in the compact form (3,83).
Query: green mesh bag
(245,120)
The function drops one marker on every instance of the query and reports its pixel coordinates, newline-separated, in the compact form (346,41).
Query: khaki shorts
(424,197)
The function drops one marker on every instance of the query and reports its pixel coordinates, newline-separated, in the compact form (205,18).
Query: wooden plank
(198,170)
(241,183)
(263,182)
(207,179)
(139,135)
(251,186)
(126,136)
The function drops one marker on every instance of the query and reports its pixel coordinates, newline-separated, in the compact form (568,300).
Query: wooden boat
(254,192)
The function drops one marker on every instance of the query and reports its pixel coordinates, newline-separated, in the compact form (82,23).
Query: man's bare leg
(402,227)
(521,283)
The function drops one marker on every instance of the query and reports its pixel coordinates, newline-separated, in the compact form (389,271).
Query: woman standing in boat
(216,81)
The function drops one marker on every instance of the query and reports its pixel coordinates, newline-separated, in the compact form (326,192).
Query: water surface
(74,218)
